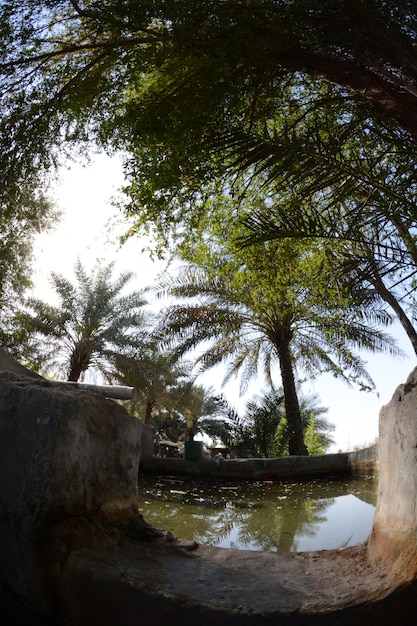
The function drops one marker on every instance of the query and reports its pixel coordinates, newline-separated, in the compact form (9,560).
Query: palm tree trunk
(296,445)
(148,411)
(80,358)
(292,522)
(75,372)
(389,297)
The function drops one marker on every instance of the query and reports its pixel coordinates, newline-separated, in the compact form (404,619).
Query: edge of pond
(358,462)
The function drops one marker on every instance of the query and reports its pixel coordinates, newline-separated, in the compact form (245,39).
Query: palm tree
(266,427)
(263,415)
(317,430)
(152,373)
(93,322)
(197,405)
(337,185)
(230,429)
(275,307)
(186,410)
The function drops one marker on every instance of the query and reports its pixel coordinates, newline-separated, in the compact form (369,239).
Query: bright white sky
(84,196)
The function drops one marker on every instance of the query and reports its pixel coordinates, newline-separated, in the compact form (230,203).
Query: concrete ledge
(365,461)
(356,463)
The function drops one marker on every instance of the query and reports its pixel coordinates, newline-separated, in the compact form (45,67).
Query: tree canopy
(319,99)
(23,214)
(173,83)
(317,104)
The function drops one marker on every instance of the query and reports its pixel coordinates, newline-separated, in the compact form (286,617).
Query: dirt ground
(211,585)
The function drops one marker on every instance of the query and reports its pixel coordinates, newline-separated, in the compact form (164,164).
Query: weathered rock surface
(394,532)
(75,551)
(65,455)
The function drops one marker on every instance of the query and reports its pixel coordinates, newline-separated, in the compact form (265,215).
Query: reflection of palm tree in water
(294,513)
(299,509)
(276,529)
(303,517)
(252,515)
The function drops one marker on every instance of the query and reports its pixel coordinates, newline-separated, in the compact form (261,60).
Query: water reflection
(280,517)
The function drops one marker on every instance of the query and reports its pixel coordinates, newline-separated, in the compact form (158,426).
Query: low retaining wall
(365,461)
(349,463)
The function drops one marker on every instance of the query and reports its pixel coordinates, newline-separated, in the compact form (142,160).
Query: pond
(279,517)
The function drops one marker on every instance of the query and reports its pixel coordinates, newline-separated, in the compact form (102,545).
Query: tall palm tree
(93,321)
(275,308)
(337,185)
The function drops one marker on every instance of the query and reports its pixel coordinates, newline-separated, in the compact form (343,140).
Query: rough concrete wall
(250,469)
(358,463)
(365,461)
(395,522)
(63,453)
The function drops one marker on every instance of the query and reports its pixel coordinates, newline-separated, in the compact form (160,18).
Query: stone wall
(395,523)
(364,461)
(357,463)
(250,469)
(65,454)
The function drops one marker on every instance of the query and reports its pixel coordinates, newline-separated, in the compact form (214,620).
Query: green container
(193,450)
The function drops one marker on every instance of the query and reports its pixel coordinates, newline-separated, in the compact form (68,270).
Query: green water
(279,517)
